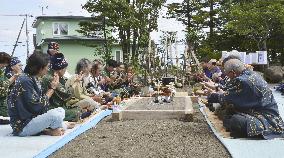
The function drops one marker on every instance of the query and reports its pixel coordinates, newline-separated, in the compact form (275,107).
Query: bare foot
(54,132)
(70,125)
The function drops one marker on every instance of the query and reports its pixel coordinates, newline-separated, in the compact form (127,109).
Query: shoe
(86,114)
(4,122)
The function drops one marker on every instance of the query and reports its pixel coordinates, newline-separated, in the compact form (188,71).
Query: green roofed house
(74,46)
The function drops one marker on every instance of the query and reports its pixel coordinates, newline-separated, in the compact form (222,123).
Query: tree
(190,14)
(256,19)
(133,20)
(198,15)
(97,28)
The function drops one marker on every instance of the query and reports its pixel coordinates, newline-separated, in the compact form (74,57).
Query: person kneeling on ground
(62,97)
(77,86)
(94,87)
(256,112)
(27,104)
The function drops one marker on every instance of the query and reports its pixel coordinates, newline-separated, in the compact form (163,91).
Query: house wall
(45,29)
(75,50)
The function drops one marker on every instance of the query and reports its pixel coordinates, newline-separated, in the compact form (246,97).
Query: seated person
(132,84)
(62,97)
(14,68)
(78,83)
(5,82)
(225,81)
(120,76)
(27,104)
(204,65)
(255,110)
(212,65)
(96,84)
(110,74)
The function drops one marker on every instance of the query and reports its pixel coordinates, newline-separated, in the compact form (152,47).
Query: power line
(27,31)
(29,15)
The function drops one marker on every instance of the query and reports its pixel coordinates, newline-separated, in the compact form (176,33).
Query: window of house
(60,29)
(117,56)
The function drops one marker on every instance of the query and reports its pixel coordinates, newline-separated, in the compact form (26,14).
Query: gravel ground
(139,139)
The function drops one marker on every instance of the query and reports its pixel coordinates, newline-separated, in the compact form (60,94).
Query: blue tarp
(249,148)
(41,146)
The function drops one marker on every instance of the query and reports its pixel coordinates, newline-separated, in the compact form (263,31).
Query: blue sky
(10,25)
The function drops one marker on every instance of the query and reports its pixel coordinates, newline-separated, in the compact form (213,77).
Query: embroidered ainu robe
(252,98)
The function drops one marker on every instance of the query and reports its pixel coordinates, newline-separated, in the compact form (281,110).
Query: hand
(79,77)
(98,99)
(208,91)
(54,83)
(220,91)
(105,94)
(17,75)
(107,79)
(209,84)
(102,81)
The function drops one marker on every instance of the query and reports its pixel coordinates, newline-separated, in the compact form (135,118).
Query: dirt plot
(148,104)
(146,138)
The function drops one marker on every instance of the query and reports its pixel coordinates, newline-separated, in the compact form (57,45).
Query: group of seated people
(247,105)
(41,100)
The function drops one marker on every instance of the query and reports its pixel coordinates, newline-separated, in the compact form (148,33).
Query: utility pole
(149,54)
(105,35)
(170,44)
(18,38)
(27,36)
(27,32)
(166,56)
(176,51)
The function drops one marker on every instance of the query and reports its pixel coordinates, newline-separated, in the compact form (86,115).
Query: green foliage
(256,19)
(91,29)
(243,25)
(132,20)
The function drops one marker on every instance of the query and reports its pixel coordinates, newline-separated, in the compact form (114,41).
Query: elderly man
(256,112)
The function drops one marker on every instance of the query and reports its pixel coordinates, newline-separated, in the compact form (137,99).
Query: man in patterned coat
(256,112)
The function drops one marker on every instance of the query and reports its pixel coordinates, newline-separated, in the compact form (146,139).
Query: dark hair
(112,63)
(229,58)
(95,67)
(36,62)
(97,61)
(82,63)
(204,59)
(4,58)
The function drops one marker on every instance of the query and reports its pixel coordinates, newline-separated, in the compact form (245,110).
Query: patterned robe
(4,89)
(61,97)
(25,101)
(251,97)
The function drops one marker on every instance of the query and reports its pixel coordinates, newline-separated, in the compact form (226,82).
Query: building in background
(63,30)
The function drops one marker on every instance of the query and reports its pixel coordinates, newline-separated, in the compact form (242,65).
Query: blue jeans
(51,119)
